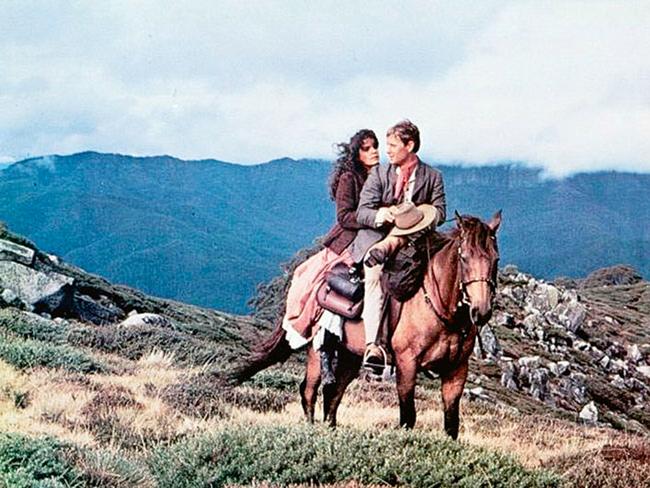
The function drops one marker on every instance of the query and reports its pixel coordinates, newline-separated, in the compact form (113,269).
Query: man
(405,179)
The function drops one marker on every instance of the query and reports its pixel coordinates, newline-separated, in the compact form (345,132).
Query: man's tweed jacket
(378,191)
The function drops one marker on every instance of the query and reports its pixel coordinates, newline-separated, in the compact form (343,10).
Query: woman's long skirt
(302,309)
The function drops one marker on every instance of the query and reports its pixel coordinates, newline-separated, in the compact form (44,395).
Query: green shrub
(32,326)
(277,380)
(139,340)
(26,462)
(108,469)
(306,454)
(28,353)
(207,395)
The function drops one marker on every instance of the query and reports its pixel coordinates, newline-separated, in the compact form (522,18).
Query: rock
(578,387)
(644,370)
(634,353)
(559,368)
(509,376)
(618,366)
(534,326)
(490,343)
(88,310)
(53,258)
(43,292)
(571,315)
(615,350)
(529,362)
(589,413)
(510,269)
(503,319)
(604,362)
(539,384)
(146,319)
(618,382)
(11,299)
(10,251)
(477,393)
(581,345)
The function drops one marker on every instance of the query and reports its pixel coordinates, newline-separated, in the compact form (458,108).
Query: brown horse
(436,330)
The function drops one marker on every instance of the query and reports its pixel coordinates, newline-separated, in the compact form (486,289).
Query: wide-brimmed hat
(410,219)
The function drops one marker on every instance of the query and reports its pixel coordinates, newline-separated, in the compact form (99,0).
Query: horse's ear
(495,222)
(459,219)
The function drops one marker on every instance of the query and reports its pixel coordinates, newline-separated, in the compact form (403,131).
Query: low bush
(26,462)
(28,353)
(32,326)
(208,394)
(613,466)
(108,469)
(315,455)
(276,380)
(139,340)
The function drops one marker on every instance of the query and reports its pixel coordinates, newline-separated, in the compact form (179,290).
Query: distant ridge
(207,232)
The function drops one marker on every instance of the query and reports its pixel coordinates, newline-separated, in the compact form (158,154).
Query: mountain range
(208,232)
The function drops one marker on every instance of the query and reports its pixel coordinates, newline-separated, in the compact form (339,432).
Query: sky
(563,85)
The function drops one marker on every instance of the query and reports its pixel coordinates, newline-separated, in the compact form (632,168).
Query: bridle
(462,284)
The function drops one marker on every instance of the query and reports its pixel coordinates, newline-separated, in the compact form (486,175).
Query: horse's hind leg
(346,370)
(406,373)
(309,385)
(452,390)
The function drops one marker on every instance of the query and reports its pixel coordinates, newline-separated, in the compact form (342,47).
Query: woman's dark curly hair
(348,159)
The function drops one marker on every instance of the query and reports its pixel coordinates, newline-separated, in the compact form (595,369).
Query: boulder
(559,368)
(10,251)
(152,319)
(88,310)
(44,292)
(571,315)
(490,342)
(589,413)
(634,353)
(509,375)
(543,297)
(539,384)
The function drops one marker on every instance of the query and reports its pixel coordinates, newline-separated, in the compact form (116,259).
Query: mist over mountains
(207,232)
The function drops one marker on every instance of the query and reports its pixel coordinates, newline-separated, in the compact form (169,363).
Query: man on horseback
(405,179)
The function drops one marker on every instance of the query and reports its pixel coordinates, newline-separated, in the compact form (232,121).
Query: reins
(462,285)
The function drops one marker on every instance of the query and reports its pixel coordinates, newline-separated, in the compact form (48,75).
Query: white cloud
(558,84)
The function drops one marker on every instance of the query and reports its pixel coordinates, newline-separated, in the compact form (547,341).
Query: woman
(350,171)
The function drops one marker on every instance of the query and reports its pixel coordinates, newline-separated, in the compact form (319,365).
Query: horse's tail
(274,349)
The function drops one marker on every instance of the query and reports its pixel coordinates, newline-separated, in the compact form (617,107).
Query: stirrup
(376,368)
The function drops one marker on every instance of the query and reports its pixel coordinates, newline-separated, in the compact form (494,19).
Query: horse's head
(479,256)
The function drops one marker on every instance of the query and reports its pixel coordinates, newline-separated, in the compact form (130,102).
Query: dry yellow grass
(78,408)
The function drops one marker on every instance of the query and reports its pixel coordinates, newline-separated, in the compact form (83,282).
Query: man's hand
(384,215)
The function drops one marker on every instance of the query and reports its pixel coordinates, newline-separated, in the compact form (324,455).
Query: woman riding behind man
(355,159)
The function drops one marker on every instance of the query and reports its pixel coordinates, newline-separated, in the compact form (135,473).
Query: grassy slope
(152,410)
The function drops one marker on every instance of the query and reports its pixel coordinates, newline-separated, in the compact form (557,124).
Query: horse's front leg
(452,390)
(406,373)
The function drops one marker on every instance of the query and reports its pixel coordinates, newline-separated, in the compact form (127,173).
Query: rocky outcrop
(552,347)
(28,282)
(38,291)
